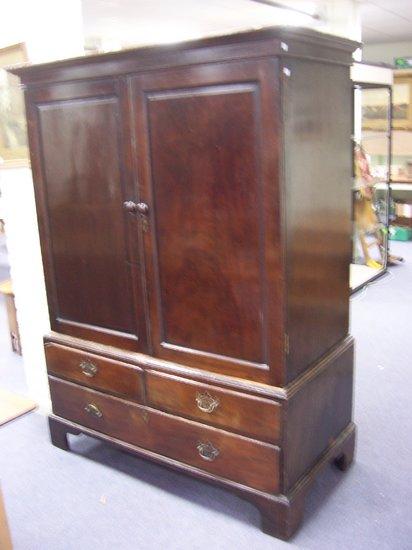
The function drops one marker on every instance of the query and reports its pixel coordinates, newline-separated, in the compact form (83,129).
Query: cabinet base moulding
(281,515)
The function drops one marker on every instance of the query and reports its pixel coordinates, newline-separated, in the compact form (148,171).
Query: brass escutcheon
(206,402)
(207,451)
(88,368)
(94,410)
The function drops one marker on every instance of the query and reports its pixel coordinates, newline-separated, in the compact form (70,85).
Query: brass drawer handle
(206,402)
(88,369)
(207,451)
(93,410)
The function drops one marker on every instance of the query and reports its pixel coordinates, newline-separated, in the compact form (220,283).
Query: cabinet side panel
(317,169)
(318,413)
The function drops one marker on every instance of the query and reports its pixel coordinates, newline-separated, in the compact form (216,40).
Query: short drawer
(234,457)
(94,371)
(252,416)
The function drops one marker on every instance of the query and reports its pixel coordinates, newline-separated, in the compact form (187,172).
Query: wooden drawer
(251,416)
(234,457)
(94,371)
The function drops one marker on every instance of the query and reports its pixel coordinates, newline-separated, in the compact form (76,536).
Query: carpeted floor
(96,497)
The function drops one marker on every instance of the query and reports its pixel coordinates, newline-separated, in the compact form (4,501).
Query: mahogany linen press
(194,211)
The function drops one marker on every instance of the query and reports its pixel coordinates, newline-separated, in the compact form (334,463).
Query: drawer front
(234,457)
(248,415)
(94,371)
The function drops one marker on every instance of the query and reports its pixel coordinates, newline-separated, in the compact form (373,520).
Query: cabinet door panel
(82,180)
(209,175)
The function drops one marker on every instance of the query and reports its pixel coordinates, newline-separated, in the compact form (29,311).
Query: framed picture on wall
(375,110)
(13,137)
(402,101)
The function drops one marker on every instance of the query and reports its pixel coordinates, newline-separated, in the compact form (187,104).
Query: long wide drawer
(234,457)
(95,371)
(245,414)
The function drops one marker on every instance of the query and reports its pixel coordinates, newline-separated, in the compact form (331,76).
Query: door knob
(142,208)
(136,207)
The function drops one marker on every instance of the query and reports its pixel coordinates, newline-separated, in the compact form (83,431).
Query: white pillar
(51,29)
(26,271)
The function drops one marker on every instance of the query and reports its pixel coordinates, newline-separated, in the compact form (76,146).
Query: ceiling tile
(386,22)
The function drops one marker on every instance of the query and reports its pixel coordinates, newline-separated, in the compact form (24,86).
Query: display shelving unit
(372,109)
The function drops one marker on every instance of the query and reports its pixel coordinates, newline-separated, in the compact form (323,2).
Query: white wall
(50,29)
(26,270)
(386,53)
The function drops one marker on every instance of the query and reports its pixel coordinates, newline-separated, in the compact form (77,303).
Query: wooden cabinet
(195,225)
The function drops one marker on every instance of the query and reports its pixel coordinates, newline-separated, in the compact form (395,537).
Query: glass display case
(372,168)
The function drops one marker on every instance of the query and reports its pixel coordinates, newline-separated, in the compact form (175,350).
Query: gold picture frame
(13,135)
(402,101)
(375,109)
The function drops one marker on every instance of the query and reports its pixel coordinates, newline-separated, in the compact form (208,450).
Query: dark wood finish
(237,384)
(328,397)
(251,416)
(80,152)
(303,43)
(183,318)
(194,215)
(317,167)
(58,433)
(240,459)
(95,372)
(343,459)
(193,135)
(209,296)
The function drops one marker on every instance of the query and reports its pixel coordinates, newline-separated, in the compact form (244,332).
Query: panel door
(81,163)
(207,144)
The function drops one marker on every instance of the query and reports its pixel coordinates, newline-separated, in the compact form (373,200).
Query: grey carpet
(97,497)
